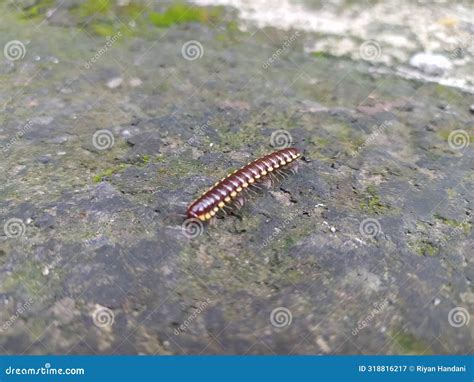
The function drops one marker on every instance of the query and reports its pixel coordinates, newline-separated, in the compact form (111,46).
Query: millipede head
(192,214)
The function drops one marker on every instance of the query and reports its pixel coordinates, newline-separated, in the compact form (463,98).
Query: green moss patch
(372,203)
(407,343)
(183,14)
(108,172)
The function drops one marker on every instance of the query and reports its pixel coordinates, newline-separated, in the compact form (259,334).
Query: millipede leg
(227,209)
(239,202)
(294,168)
(283,172)
(222,213)
(252,192)
(280,175)
(267,183)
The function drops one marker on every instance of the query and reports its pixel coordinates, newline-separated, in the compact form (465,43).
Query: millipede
(227,191)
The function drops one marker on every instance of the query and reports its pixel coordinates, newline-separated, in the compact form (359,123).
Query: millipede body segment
(225,191)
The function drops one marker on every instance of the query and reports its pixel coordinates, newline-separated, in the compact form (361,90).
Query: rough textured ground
(98,262)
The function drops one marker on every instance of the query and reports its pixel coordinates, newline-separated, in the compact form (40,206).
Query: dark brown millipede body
(225,191)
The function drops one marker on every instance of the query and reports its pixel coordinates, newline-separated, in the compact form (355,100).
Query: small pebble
(134,82)
(59,139)
(126,133)
(436,301)
(42,120)
(114,82)
(431,64)
(43,159)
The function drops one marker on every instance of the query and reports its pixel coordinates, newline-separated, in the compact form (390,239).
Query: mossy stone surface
(102,228)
